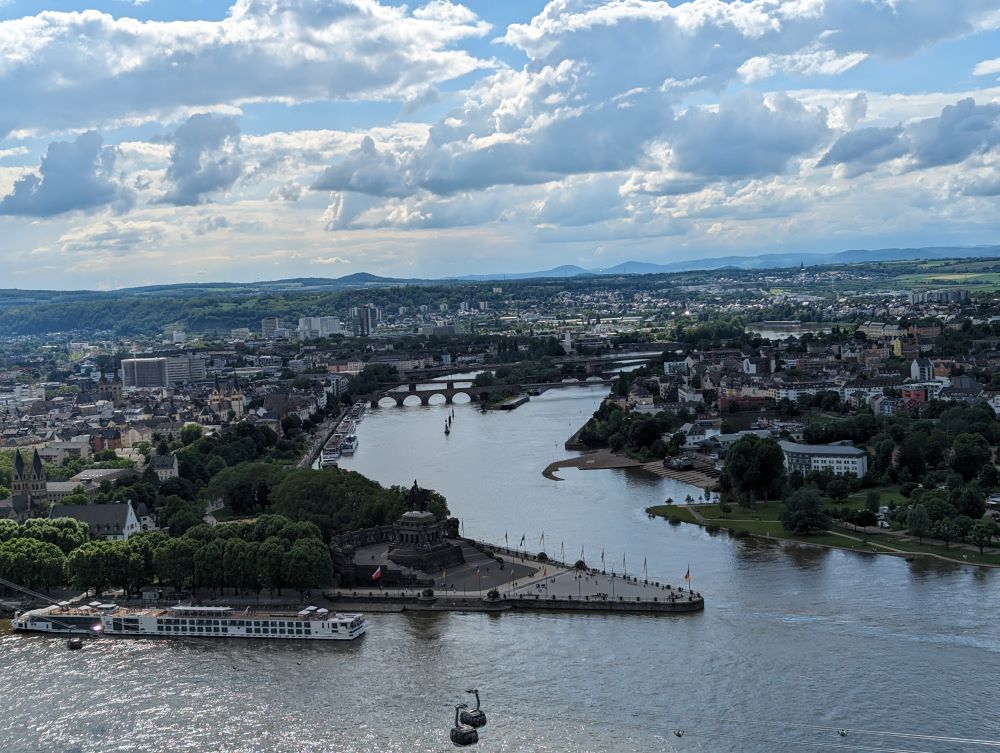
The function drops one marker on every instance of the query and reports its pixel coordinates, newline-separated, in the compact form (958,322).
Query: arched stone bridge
(449,390)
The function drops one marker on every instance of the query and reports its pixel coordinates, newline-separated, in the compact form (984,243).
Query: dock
(511,403)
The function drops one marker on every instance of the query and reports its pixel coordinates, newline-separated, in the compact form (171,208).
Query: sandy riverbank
(594,460)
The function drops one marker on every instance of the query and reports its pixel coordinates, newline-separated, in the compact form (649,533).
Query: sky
(161,141)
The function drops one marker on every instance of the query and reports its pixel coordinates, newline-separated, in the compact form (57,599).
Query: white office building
(842,459)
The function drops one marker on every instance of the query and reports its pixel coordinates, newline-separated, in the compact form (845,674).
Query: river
(790,635)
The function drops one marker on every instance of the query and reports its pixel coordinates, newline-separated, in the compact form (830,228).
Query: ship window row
(225,630)
(161,621)
(250,630)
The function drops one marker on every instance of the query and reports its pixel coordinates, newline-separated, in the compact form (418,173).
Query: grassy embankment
(763,521)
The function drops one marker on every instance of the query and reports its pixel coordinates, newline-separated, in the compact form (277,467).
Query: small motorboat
(75,643)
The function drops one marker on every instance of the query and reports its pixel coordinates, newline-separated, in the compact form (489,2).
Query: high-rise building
(268,326)
(363,323)
(312,327)
(329,325)
(163,371)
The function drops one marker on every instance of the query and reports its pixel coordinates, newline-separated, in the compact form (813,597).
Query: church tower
(29,481)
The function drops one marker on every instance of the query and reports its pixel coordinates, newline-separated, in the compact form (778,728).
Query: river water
(790,635)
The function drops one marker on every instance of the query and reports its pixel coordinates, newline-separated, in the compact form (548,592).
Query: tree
(190,433)
(862,518)
(946,530)
(871,501)
(803,512)
(755,468)
(918,521)
(969,500)
(33,563)
(179,515)
(271,563)
(86,566)
(65,533)
(980,535)
(307,565)
(208,564)
(123,566)
(174,562)
(838,489)
(970,453)
(338,501)
(989,477)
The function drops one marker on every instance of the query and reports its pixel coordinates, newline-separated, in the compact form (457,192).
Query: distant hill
(566,270)
(777,261)
(761,261)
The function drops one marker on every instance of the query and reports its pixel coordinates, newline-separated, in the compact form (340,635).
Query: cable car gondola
(476,717)
(461,735)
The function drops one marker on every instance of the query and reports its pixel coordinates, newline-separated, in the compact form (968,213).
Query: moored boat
(311,623)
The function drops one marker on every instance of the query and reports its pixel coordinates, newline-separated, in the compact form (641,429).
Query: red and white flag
(378,573)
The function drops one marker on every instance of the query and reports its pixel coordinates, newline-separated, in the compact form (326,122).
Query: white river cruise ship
(312,623)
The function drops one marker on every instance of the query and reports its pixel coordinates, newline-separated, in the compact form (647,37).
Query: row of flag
(377,575)
(562,554)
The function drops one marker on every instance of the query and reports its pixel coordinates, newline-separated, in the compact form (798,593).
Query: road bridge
(448,389)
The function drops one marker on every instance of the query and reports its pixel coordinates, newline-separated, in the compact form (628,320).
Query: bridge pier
(449,398)
(425,400)
(399,400)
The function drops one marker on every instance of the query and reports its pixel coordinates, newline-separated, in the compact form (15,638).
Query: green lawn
(763,521)
(887,495)
(672,511)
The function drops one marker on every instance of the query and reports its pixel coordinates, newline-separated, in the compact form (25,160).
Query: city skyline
(158,143)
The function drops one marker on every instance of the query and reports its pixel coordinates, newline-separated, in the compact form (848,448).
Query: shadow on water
(806,556)
(426,625)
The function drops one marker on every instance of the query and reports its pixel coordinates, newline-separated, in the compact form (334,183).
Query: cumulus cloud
(367,170)
(73,175)
(604,80)
(987,67)
(961,130)
(288,191)
(114,237)
(655,40)
(865,149)
(67,70)
(211,224)
(809,62)
(981,185)
(205,158)
(747,136)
